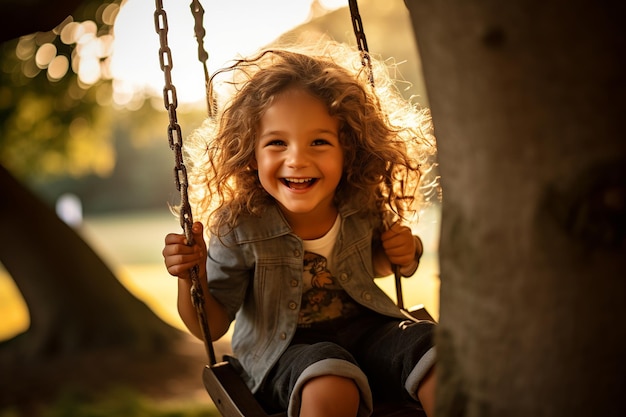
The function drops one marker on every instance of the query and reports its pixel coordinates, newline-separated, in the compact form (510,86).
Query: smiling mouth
(298,183)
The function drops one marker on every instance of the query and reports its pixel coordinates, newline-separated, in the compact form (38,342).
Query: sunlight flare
(233,28)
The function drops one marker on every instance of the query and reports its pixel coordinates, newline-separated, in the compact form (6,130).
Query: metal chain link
(198,15)
(175,138)
(357,25)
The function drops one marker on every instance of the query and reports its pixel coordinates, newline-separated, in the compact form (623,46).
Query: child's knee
(426,392)
(330,395)
(331,385)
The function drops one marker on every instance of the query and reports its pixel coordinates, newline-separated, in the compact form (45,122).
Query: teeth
(298,180)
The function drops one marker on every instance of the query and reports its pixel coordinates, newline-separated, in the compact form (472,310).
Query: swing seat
(419,313)
(229,393)
(233,398)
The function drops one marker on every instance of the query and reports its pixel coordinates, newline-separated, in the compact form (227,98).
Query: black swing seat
(229,392)
(233,398)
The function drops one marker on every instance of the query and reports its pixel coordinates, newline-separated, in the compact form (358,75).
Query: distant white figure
(70,209)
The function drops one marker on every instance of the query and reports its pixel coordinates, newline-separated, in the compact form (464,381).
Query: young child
(294,180)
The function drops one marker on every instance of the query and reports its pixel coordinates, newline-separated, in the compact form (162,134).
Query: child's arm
(179,258)
(399,247)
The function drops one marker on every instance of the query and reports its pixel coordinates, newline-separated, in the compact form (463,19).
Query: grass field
(131,244)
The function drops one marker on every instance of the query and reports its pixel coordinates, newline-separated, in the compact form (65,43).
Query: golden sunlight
(232,28)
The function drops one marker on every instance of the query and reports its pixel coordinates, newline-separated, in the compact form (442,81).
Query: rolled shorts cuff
(336,367)
(421,369)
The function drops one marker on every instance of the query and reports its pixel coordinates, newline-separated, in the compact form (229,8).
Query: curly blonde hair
(387,141)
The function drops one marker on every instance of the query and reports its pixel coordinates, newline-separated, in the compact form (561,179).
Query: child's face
(298,155)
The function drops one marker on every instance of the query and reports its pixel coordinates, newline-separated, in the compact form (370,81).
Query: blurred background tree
(56,120)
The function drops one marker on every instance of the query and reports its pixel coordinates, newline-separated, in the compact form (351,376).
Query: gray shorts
(386,357)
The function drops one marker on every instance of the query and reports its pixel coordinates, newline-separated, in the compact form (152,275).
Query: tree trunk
(86,330)
(74,300)
(528,104)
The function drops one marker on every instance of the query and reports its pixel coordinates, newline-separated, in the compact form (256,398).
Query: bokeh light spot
(110,13)
(25,47)
(45,54)
(58,68)
(69,33)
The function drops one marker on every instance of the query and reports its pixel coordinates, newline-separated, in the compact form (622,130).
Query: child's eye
(318,142)
(275,142)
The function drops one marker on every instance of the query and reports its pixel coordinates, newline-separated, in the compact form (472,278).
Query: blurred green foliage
(52,121)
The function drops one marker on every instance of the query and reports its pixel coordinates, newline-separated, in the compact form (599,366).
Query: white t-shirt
(323,298)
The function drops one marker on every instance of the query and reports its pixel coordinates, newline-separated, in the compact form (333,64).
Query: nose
(297,157)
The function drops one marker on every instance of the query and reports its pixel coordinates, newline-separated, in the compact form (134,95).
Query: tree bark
(75,302)
(527,99)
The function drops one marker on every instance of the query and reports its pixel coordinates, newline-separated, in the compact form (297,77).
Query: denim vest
(256,273)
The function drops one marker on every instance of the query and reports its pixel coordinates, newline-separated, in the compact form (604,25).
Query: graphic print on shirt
(323,298)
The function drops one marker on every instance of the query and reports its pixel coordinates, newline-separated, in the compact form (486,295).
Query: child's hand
(401,248)
(179,257)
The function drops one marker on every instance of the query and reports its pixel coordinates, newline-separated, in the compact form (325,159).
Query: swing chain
(198,15)
(175,139)
(366,61)
(357,25)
